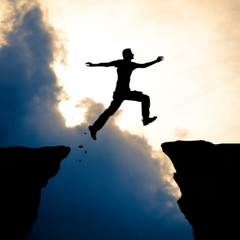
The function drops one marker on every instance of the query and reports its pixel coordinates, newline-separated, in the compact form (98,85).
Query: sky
(123,187)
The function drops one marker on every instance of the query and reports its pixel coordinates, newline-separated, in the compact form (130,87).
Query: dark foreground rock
(208,177)
(24,171)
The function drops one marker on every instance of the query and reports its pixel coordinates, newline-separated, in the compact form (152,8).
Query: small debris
(84,133)
(85,152)
(81,146)
(79,160)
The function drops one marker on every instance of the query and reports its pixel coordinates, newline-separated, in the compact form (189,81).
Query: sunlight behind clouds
(194,92)
(71,113)
(192,38)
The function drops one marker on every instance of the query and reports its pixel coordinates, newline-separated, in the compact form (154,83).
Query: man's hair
(126,52)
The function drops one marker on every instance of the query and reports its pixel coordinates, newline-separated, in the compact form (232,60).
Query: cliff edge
(207,175)
(24,171)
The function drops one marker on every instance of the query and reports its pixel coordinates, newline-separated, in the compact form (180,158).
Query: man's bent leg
(145,111)
(145,106)
(99,123)
(145,100)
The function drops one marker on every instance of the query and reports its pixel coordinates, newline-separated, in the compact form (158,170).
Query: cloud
(28,89)
(180,133)
(119,190)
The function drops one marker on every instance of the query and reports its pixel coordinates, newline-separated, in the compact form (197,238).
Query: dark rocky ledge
(24,171)
(208,177)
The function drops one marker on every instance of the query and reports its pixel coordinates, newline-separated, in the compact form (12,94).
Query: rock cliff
(24,171)
(208,177)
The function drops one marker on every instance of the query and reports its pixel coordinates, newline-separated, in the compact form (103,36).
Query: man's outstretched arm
(144,65)
(108,64)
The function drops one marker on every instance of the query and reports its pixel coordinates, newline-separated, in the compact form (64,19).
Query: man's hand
(160,58)
(89,64)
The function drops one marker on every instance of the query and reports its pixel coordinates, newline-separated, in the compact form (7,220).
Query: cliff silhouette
(207,175)
(24,171)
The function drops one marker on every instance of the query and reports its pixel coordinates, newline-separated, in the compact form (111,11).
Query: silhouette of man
(122,92)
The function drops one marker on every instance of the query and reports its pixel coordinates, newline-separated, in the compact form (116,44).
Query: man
(122,91)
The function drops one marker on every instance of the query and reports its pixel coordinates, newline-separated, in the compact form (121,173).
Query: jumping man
(122,92)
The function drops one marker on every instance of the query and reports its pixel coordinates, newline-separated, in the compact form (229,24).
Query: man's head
(127,54)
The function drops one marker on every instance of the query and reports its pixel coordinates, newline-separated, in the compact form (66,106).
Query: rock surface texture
(208,177)
(24,171)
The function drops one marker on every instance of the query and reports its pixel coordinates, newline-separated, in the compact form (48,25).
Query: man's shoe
(148,120)
(93,132)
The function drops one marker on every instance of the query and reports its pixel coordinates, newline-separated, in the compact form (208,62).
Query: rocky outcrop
(24,171)
(208,177)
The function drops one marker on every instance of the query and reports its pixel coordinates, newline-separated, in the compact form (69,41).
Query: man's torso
(124,71)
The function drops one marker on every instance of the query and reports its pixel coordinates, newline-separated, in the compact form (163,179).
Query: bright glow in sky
(194,91)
